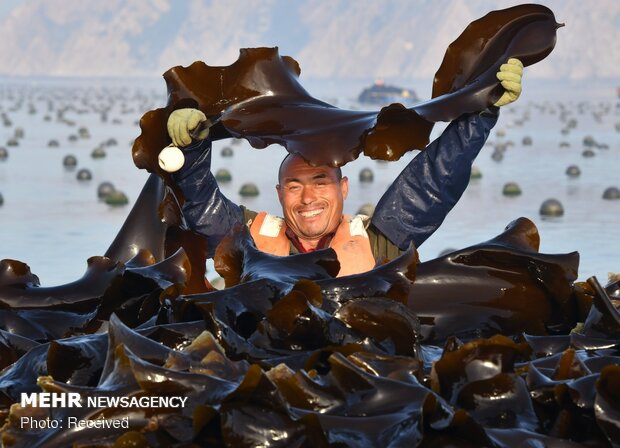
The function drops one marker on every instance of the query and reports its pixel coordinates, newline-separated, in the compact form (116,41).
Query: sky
(6,6)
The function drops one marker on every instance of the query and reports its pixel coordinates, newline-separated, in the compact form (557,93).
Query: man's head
(312,198)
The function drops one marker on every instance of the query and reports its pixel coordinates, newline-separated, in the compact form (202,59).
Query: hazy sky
(7,5)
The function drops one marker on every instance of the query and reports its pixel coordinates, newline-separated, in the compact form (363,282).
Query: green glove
(510,76)
(182,122)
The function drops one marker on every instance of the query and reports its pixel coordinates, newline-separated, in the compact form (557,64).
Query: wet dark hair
(290,155)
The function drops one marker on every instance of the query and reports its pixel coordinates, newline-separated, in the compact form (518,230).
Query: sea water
(53,222)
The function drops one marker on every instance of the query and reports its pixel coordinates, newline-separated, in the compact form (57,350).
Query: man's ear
(344,186)
(279,191)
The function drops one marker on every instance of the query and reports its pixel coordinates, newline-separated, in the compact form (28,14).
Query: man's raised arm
(423,194)
(206,209)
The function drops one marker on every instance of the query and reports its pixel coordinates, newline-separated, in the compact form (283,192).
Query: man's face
(312,198)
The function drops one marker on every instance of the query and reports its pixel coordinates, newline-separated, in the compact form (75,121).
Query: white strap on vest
(357,226)
(271,226)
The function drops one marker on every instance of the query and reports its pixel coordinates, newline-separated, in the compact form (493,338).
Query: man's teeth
(311,213)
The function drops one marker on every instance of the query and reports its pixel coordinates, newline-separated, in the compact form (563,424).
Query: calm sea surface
(54,222)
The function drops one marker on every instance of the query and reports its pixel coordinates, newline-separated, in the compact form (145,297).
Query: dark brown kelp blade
(499,286)
(465,81)
(259,98)
(143,228)
(392,280)
(603,321)
(607,409)
(238,260)
(81,295)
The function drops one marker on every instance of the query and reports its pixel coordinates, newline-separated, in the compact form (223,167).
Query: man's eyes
(296,187)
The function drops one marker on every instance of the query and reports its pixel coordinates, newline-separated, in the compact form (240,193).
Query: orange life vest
(350,241)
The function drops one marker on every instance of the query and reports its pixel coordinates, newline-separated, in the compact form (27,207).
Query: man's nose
(308,195)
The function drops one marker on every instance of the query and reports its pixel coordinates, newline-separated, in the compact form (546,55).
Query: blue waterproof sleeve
(419,200)
(206,209)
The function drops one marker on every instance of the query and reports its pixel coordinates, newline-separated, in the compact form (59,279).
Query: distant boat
(383,94)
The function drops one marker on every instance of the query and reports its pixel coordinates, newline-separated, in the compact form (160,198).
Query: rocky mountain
(330,38)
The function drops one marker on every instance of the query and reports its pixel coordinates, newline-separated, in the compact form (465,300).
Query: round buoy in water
(98,153)
(4,153)
(588,153)
(249,189)
(573,171)
(223,175)
(511,189)
(12,142)
(116,198)
(84,174)
(588,140)
(226,151)
(366,175)
(105,189)
(366,209)
(498,156)
(475,173)
(551,207)
(69,161)
(445,252)
(83,132)
(527,141)
(611,193)
(53,143)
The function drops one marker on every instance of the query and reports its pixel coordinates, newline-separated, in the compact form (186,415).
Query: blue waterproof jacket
(411,209)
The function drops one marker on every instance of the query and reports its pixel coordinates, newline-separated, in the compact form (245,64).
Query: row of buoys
(222,175)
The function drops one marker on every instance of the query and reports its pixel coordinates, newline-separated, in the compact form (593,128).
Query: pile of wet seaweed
(492,345)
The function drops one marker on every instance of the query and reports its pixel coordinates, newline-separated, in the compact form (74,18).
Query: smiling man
(312,197)
(312,200)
